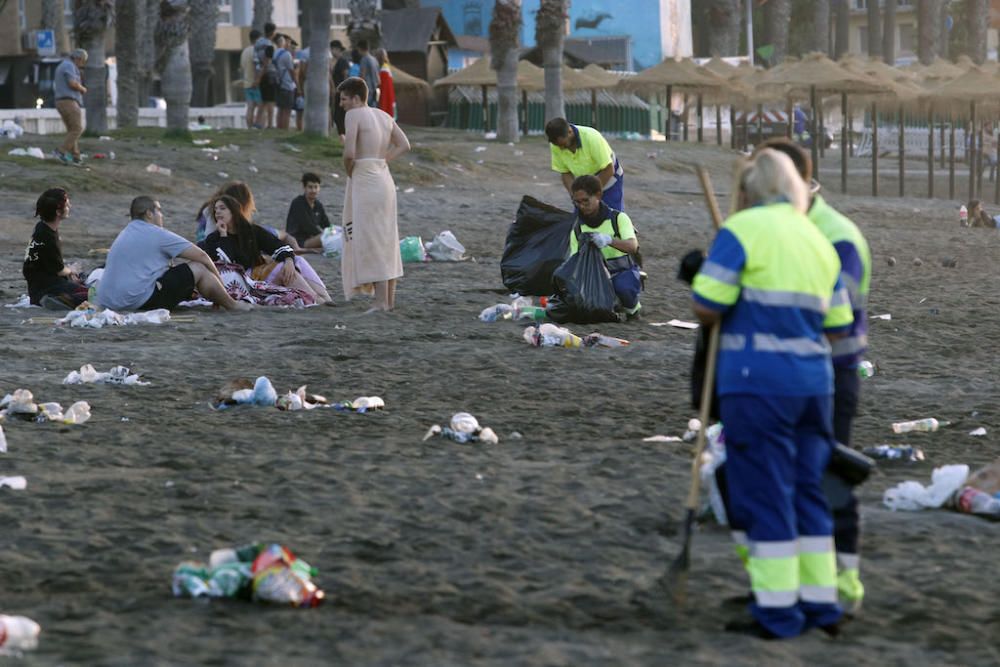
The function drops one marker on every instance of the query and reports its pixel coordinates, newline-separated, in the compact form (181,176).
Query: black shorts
(286,99)
(268,92)
(174,286)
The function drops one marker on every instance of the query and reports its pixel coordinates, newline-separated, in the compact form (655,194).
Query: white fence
(47,121)
(915,141)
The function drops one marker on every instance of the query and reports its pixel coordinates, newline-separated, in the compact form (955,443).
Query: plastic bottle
(895,452)
(973,501)
(963,216)
(536,313)
(18,633)
(928,424)
(866,369)
(501,311)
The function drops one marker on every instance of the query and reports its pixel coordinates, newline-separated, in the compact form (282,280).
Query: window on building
(340,14)
(22,18)
(907,38)
(225,12)
(68,14)
(863,36)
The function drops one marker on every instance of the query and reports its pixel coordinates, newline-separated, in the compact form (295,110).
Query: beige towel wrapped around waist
(371,235)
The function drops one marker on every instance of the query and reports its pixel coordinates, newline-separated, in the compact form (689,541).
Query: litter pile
(520,308)
(551,335)
(951,487)
(463,428)
(96,319)
(117,375)
(17,633)
(262,573)
(21,404)
(444,247)
(261,392)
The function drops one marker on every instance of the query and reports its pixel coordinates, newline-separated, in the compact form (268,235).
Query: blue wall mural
(588,18)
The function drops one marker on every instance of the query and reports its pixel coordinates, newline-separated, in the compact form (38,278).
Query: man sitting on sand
(613,233)
(306,218)
(140,273)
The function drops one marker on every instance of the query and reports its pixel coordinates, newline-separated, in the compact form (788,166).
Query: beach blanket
(242,287)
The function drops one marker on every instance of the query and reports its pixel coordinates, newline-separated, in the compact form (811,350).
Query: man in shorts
(249,71)
(284,63)
(142,273)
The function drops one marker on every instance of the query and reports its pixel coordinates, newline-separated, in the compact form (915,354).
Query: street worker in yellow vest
(578,150)
(855,275)
(612,232)
(772,282)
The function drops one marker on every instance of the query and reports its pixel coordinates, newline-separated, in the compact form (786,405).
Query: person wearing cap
(578,150)
(69,93)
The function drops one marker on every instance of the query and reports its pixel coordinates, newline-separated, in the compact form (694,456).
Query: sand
(529,552)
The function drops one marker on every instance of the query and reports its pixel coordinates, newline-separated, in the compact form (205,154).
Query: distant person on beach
(613,233)
(387,89)
(368,70)
(248,69)
(341,70)
(51,284)
(578,150)
(69,93)
(978,217)
(267,82)
(284,64)
(143,272)
(307,218)
(771,281)
(371,259)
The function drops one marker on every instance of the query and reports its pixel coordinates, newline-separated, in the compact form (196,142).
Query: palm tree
(52,19)
(149,17)
(317,120)
(550,32)
(505,31)
(821,26)
(777,16)
(928,30)
(201,45)
(889,33)
(842,13)
(724,27)
(364,23)
(127,57)
(173,62)
(874,30)
(262,12)
(978,14)
(91,18)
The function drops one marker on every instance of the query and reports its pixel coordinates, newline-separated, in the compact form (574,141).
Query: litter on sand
(117,375)
(663,438)
(884,316)
(978,431)
(21,404)
(679,324)
(33,151)
(22,302)
(14,483)
(97,319)
(445,248)
(463,428)
(261,392)
(551,335)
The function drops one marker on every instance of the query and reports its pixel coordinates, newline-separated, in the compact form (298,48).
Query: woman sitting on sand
(237,242)
(978,217)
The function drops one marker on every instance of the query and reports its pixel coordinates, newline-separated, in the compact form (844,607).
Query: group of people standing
(274,73)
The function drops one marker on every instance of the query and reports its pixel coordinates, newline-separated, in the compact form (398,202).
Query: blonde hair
(769,177)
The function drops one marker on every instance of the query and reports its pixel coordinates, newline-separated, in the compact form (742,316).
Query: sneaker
(53,303)
(750,628)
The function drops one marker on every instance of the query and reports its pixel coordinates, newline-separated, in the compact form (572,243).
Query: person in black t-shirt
(51,283)
(341,70)
(306,218)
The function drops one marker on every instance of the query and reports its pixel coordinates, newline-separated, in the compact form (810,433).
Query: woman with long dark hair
(51,283)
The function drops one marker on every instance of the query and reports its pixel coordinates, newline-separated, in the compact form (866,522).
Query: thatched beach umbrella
(719,67)
(745,90)
(817,73)
(529,78)
(604,80)
(674,73)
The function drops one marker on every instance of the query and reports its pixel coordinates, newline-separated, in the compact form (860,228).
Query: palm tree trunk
(979,16)
(505,29)
(149,16)
(127,56)
(928,32)
(724,27)
(874,30)
(52,19)
(550,25)
(843,14)
(889,33)
(777,16)
(821,26)
(317,119)
(173,61)
(92,18)
(201,45)
(263,10)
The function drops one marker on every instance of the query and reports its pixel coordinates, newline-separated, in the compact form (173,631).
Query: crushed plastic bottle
(963,216)
(866,369)
(501,311)
(536,313)
(895,452)
(973,501)
(264,392)
(924,425)
(18,633)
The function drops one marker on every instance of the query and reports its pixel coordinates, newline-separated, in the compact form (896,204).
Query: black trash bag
(537,243)
(690,265)
(584,293)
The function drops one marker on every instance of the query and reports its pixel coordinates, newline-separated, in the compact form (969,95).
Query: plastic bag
(914,496)
(411,249)
(537,243)
(584,292)
(445,248)
(333,241)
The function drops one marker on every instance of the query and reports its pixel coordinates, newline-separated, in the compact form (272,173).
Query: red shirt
(387,96)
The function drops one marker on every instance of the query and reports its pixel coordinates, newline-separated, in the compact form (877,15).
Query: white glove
(601,240)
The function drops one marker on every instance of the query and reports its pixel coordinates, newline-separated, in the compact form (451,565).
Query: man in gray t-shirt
(69,98)
(138,274)
(369,72)
(284,63)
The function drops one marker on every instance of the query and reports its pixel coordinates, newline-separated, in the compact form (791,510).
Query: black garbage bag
(584,293)
(690,265)
(537,243)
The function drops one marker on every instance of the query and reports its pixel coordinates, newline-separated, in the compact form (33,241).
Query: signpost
(46,42)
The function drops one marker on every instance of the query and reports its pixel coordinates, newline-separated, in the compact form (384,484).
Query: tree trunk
(52,19)
(173,62)
(928,31)
(821,26)
(91,21)
(874,30)
(724,18)
(505,31)
(979,17)
(201,45)
(843,13)
(263,10)
(889,33)
(550,25)
(149,16)
(127,30)
(317,119)
(777,17)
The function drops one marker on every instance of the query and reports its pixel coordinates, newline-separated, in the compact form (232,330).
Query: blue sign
(45,42)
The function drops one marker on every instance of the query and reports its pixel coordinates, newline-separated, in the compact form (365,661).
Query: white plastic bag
(333,241)
(911,496)
(15,483)
(445,248)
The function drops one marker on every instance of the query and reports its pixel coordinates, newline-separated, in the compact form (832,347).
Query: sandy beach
(528,552)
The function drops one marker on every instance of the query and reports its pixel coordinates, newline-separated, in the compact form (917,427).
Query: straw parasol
(529,78)
(401,79)
(601,75)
